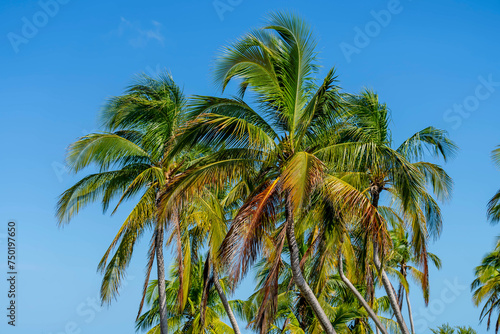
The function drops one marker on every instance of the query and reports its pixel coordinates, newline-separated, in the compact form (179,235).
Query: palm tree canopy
(131,160)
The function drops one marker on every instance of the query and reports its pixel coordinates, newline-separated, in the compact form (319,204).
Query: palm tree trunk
(410,315)
(389,289)
(227,307)
(162,295)
(360,298)
(298,278)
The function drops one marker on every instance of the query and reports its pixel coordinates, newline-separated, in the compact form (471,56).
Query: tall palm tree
(402,173)
(280,146)
(132,160)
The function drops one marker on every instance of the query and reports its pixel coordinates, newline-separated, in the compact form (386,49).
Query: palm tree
(447,329)
(280,147)
(209,212)
(327,243)
(132,160)
(465,330)
(189,319)
(292,312)
(402,174)
(486,287)
(401,262)
(443,329)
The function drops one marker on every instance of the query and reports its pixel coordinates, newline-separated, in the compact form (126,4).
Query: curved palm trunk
(227,307)
(298,278)
(360,298)
(389,289)
(410,315)
(162,295)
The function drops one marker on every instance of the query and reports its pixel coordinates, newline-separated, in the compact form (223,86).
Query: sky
(433,63)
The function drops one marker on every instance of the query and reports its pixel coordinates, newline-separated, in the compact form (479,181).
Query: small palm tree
(401,263)
(207,215)
(465,330)
(443,329)
(486,287)
(447,329)
(187,320)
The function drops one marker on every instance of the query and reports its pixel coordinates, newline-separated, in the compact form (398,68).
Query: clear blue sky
(424,59)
